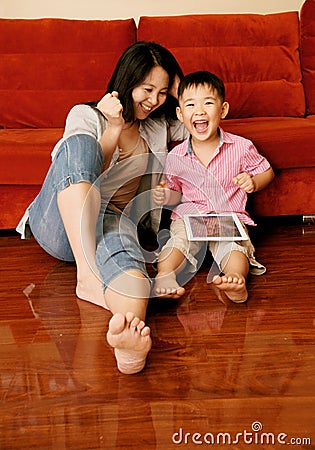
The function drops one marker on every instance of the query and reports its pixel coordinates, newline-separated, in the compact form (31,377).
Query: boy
(211,171)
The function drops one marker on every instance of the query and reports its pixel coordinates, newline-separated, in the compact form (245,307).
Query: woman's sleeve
(178,131)
(82,119)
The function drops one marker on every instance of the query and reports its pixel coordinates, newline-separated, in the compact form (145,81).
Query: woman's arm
(111,108)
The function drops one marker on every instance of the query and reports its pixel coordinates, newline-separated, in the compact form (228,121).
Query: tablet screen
(214,227)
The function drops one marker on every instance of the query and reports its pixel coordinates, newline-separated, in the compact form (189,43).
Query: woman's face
(150,94)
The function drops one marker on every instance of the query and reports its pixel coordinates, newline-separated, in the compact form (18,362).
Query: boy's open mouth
(201,125)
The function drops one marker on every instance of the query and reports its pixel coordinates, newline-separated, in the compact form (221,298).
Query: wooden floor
(241,376)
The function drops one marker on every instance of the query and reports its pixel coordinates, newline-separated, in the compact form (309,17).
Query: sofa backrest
(307,19)
(48,65)
(256,55)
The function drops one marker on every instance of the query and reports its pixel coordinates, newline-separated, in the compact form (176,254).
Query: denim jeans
(80,158)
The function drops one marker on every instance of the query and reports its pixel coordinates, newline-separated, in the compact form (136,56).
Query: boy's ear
(179,114)
(225,109)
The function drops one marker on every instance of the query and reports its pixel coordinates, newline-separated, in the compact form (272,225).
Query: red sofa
(47,66)
(266,61)
(268,65)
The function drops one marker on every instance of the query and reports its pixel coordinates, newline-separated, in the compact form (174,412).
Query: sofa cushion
(48,65)
(257,56)
(287,142)
(25,154)
(14,199)
(307,19)
(292,192)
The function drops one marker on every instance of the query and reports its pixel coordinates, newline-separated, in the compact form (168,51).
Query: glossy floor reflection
(219,375)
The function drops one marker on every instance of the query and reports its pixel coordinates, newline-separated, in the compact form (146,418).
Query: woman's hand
(112,109)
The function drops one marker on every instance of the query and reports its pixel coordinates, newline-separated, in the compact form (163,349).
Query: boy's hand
(160,193)
(244,182)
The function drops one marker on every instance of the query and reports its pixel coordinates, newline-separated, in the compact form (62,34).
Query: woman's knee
(131,283)
(81,154)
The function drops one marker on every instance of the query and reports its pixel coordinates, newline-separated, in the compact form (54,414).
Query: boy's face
(201,110)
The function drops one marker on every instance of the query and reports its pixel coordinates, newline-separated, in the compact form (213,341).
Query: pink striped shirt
(211,189)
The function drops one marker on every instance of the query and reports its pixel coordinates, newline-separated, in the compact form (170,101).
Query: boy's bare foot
(91,289)
(131,340)
(165,285)
(233,286)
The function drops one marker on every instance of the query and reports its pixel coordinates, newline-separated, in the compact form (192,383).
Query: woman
(83,210)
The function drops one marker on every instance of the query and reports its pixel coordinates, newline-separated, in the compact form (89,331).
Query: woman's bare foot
(131,340)
(233,286)
(90,288)
(165,285)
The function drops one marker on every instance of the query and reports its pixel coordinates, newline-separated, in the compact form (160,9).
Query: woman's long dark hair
(131,70)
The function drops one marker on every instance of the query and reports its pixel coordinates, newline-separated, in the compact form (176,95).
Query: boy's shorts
(218,249)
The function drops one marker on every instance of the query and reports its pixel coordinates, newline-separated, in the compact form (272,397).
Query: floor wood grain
(219,375)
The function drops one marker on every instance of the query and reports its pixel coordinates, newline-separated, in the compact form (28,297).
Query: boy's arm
(256,183)
(163,195)
(261,180)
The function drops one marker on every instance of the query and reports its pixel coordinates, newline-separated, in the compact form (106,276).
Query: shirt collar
(224,139)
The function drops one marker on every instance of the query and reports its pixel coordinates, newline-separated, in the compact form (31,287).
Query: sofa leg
(308,224)
(309,219)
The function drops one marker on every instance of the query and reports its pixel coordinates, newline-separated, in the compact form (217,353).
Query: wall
(111,9)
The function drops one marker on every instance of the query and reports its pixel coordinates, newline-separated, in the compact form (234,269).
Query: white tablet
(214,227)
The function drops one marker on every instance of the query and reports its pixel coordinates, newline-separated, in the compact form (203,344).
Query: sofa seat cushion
(25,154)
(256,55)
(287,142)
(14,199)
(292,192)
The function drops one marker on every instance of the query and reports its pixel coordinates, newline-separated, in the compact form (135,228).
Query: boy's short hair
(202,77)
